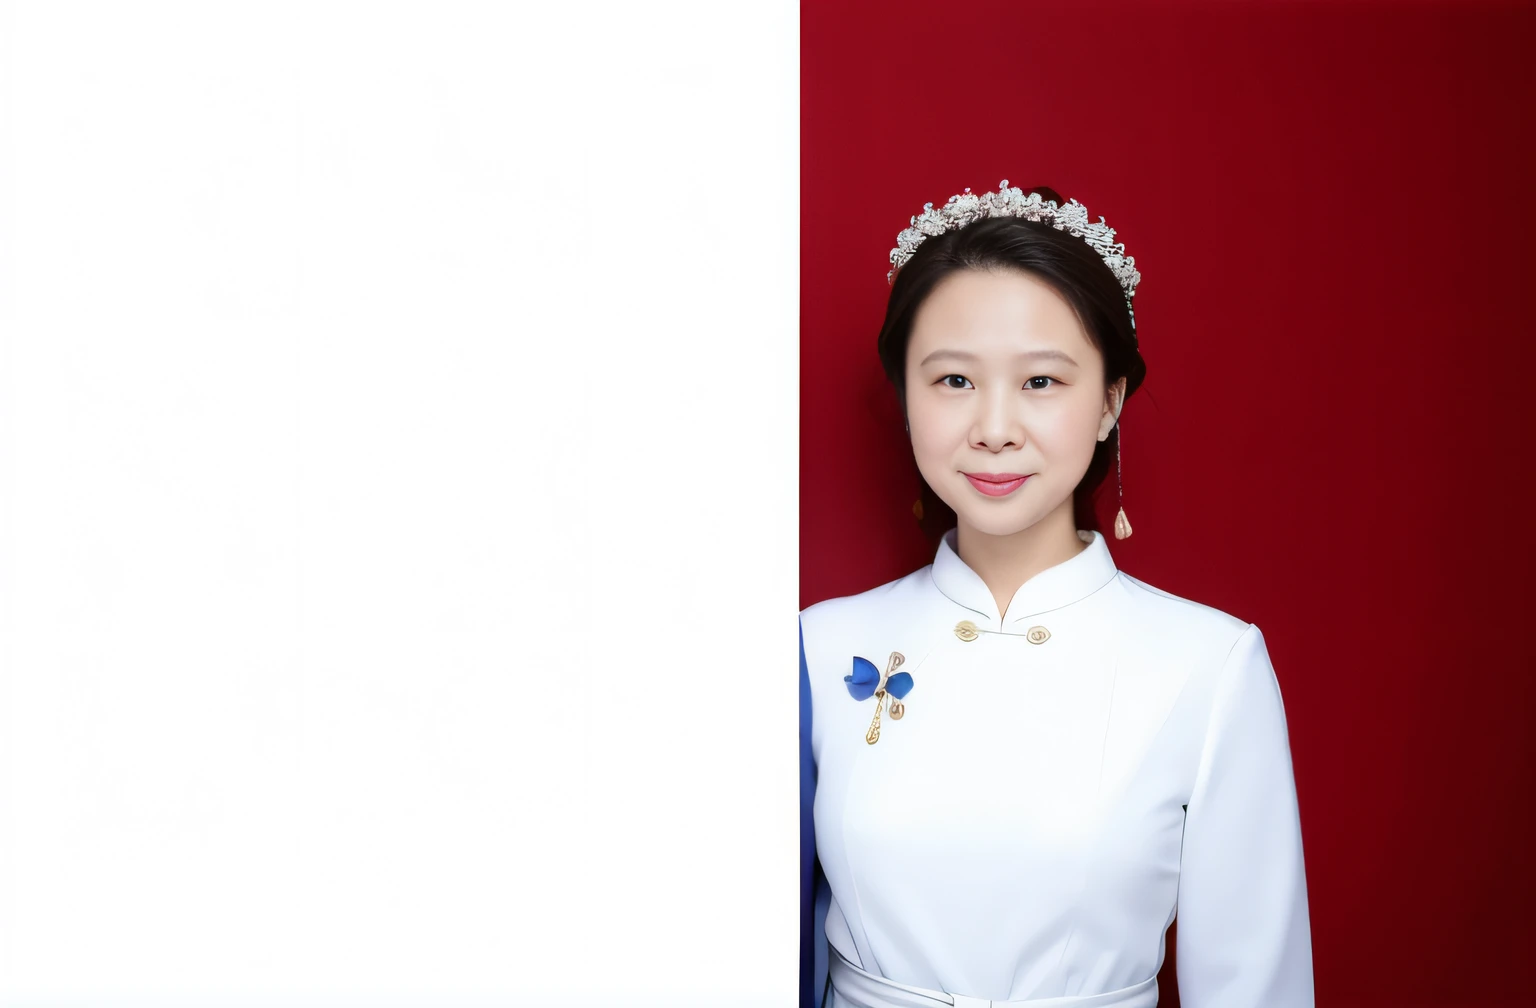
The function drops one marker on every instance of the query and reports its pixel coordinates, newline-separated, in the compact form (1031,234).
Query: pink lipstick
(997,484)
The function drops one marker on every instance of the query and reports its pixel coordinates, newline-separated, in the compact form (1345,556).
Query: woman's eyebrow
(969,358)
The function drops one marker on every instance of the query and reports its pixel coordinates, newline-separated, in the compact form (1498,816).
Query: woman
(1023,762)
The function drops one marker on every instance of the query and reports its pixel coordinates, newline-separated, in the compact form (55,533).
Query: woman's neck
(1006,562)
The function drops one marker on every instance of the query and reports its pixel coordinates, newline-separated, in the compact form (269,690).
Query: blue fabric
(815,896)
(864,679)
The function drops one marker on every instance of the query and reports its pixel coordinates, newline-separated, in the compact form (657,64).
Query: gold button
(1038,635)
(966,630)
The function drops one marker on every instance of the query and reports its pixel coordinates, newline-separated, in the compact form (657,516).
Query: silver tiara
(967,208)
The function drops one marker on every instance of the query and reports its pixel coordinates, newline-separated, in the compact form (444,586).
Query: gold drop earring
(1122,523)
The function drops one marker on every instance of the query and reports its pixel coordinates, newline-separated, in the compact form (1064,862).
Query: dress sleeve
(810,921)
(1244,937)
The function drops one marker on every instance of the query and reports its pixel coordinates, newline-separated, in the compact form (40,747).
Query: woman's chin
(996,522)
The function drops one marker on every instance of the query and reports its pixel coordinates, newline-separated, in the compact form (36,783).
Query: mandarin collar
(1067,582)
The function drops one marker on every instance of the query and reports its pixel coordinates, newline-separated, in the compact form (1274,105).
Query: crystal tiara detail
(967,208)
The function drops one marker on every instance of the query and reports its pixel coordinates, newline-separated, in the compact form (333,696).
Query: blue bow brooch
(867,681)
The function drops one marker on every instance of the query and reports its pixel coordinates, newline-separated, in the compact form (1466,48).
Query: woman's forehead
(998,313)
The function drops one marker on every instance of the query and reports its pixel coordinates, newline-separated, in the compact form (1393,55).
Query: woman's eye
(949,382)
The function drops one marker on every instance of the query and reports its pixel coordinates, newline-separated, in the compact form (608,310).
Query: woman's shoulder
(898,598)
(1153,615)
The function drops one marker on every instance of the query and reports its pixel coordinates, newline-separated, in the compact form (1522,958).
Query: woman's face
(1002,381)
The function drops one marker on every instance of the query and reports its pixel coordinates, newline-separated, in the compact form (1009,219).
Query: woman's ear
(1114,400)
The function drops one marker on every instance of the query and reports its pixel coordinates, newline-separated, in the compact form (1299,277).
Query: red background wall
(1331,206)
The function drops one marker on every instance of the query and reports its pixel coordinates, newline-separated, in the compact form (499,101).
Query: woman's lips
(997,484)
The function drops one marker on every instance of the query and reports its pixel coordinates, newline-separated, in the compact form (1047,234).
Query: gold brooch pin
(866,680)
(873,735)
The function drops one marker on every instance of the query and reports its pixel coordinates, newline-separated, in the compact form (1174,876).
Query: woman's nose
(998,425)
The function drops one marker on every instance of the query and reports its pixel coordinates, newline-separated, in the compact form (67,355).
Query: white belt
(855,988)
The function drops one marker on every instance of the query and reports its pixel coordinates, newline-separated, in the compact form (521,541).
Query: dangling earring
(1122,523)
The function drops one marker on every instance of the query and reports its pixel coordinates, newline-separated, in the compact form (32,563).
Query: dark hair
(1065,262)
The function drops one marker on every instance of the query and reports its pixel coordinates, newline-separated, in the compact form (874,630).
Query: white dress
(1099,759)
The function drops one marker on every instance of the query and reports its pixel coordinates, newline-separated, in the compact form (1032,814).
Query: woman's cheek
(932,442)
